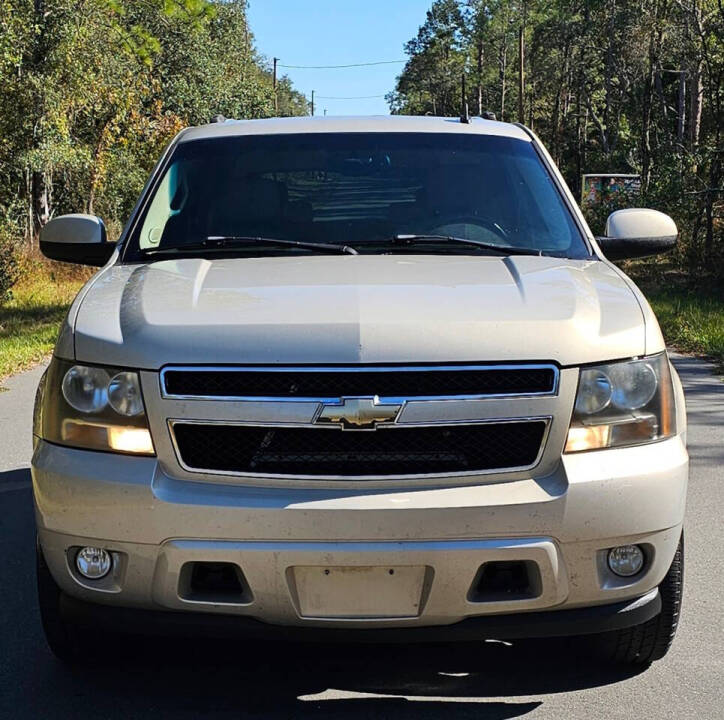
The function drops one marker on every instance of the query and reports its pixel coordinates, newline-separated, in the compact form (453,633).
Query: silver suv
(360,377)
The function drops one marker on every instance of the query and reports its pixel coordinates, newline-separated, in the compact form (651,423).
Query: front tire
(650,641)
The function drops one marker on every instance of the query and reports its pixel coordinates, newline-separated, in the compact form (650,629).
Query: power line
(354,97)
(337,67)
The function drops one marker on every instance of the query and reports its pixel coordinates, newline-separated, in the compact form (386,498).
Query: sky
(338,32)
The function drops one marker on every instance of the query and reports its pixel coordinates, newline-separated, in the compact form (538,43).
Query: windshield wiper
(502,249)
(229,242)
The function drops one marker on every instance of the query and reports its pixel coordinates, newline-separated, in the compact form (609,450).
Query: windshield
(358,190)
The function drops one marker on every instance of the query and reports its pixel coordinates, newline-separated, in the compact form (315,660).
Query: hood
(358,309)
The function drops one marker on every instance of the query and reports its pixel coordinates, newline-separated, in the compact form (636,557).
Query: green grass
(691,320)
(29,322)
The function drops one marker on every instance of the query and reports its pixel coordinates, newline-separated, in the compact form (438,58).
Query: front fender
(38,408)
(680,401)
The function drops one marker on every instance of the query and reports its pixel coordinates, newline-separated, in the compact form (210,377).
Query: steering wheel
(481,222)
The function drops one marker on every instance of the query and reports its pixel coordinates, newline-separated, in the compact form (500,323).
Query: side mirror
(637,232)
(77,239)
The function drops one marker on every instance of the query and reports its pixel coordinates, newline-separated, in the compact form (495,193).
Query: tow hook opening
(499,581)
(213,582)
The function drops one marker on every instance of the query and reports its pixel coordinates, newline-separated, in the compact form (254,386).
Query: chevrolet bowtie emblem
(359,413)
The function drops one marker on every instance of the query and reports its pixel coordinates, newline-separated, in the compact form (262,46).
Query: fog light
(626,560)
(93,563)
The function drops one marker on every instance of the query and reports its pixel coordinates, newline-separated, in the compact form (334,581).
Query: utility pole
(274,85)
(312,103)
(521,76)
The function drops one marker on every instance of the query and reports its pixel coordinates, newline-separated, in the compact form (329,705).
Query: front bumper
(550,623)
(562,523)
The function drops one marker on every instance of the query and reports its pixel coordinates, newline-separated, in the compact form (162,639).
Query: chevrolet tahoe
(361,378)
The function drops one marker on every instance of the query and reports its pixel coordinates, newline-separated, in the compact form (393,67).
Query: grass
(691,320)
(30,321)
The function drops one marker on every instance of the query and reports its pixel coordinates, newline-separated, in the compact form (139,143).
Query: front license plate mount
(359,592)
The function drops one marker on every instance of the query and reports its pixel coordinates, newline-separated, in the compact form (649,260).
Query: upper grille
(394,450)
(387,382)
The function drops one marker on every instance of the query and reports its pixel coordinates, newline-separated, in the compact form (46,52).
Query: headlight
(124,394)
(623,403)
(86,388)
(96,408)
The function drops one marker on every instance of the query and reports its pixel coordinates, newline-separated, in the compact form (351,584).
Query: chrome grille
(367,421)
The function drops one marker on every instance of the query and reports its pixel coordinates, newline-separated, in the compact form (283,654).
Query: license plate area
(358,592)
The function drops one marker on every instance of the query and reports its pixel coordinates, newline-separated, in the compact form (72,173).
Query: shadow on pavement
(15,478)
(196,678)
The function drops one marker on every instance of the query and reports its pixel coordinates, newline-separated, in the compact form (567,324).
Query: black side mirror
(77,239)
(637,232)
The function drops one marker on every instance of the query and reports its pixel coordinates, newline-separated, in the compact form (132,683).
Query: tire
(650,641)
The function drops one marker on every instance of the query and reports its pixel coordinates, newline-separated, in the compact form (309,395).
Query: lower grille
(395,450)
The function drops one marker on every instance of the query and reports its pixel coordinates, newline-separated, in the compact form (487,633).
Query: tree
(430,82)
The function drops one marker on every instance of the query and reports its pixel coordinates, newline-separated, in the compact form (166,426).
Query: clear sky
(338,32)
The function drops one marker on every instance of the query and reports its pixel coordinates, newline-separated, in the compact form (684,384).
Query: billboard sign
(595,187)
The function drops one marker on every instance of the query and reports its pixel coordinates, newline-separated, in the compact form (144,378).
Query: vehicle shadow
(15,479)
(199,678)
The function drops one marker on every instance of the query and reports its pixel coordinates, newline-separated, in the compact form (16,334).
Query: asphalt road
(493,680)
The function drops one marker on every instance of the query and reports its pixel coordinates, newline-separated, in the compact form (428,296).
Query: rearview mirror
(637,232)
(77,239)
